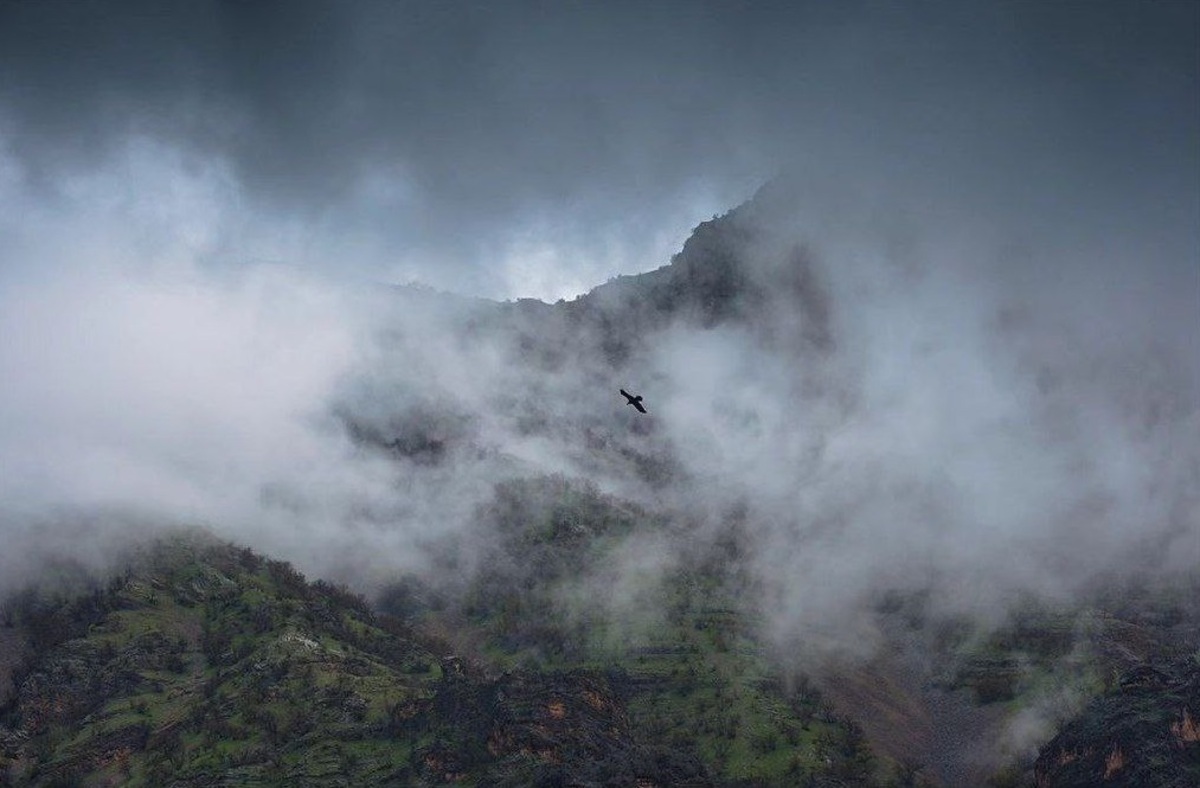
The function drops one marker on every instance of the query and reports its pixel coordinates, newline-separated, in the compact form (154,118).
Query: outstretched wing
(634,401)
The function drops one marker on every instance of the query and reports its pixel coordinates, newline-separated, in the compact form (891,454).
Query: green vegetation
(206,661)
(563,592)
(588,646)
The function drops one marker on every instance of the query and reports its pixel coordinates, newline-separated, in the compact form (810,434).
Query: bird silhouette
(634,401)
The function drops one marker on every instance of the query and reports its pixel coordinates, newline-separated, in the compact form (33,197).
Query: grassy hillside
(206,664)
(584,642)
(206,661)
(561,590)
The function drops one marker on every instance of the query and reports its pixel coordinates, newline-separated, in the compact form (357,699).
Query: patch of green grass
(700,682)
(207,664)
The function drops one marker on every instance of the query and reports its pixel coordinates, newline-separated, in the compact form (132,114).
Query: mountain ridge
(723,591)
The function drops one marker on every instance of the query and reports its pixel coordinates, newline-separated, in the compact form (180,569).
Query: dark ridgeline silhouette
(634,401)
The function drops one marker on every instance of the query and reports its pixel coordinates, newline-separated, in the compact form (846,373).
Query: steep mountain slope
(796,569)
(753,380)
(1143,732)
(202,664)
(206,664)
(529,373)
(680,649)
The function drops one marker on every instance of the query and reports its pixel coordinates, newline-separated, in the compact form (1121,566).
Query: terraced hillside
(561,590)
(207,664)
(554,659)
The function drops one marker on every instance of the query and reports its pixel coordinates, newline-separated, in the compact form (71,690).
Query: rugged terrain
(202,663)
(756,583)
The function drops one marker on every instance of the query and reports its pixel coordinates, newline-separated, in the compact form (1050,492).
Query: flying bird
(634,401)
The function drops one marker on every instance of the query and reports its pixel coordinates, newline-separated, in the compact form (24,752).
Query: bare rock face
(736,268)
(1144,733)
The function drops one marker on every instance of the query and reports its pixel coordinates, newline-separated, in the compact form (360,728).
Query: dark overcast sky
(508,149)
(1002,201)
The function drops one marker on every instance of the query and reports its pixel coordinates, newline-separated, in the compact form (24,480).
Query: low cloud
(969,430)
(902,410)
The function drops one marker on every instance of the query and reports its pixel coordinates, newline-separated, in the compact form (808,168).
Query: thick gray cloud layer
(536,149)
(1003,199)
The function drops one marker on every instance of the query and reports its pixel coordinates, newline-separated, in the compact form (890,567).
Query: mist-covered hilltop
(916,491)
(195,662)
(876,421)
(895,512)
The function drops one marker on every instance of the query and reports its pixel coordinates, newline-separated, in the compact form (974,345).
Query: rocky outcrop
(1141,735)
